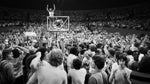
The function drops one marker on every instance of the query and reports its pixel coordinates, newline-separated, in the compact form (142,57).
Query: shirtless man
(50,74)
(50,10)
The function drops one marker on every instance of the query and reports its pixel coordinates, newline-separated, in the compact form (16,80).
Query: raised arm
(47,8)
(25,50)
(143,41)
(54,7)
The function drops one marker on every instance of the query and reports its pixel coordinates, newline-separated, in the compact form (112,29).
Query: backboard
(58,23)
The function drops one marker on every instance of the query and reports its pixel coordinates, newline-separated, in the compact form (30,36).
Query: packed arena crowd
(82,55)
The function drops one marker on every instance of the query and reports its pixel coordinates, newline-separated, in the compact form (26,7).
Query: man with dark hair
(72,55)
(99,76)
(77,74)
(73,51)
(122,74)
(77,64)
(17,63)
(16,53)
(7,55)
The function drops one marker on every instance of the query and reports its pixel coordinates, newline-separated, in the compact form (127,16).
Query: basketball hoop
(58,23)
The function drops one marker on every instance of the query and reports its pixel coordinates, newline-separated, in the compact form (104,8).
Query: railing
(139,78)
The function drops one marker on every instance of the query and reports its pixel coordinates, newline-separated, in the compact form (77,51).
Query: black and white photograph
(74,41)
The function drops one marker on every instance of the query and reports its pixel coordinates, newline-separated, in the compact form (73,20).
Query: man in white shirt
(72,55)
(77,74)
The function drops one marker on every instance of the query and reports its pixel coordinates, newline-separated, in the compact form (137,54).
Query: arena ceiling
(68,4)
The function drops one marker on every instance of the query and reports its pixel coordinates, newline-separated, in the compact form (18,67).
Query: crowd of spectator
(78,56)
(132,17)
